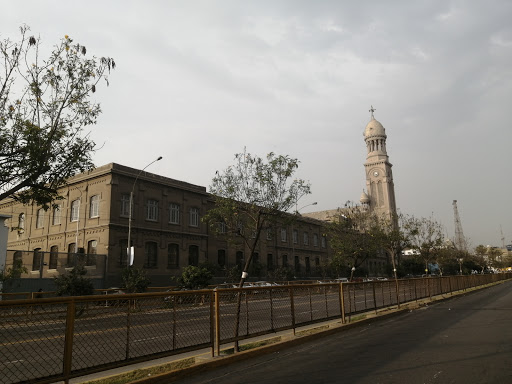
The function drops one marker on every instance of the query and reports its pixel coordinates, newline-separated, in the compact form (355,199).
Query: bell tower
(379,178)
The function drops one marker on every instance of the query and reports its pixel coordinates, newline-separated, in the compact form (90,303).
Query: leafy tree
(282,274)
(354,235)
(74,283)
(45,105)
(425,236)
(194,277)
(251,196)
(8,275)
(135,280)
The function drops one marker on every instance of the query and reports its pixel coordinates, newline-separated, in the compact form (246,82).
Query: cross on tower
(371,110)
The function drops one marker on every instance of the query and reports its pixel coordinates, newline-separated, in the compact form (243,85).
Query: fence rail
(50,339)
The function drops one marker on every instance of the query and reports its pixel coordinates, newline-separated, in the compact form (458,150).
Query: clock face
(375,173)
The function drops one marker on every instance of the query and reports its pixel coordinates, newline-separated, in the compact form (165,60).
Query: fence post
(68,340)
(217,320)
(374,296)
(342,304)
(292,308)
(397,285)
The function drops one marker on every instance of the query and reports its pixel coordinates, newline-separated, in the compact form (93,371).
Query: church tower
(380,196)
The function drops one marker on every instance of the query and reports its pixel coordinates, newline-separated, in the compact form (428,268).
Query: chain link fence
(49,339)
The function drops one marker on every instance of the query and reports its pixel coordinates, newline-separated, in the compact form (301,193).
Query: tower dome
(374,128)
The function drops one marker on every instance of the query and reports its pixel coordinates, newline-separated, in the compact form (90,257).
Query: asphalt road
(467,339)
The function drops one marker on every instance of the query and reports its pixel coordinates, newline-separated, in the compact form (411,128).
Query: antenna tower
(460,240)
(502,238)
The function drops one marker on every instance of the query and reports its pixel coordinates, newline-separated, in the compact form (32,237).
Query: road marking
(14,361)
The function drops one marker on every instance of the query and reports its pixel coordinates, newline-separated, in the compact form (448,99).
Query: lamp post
(130,252)
(460,265)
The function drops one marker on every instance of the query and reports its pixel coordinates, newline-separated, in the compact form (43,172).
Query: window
(174,213)
(270,262)
(151,255)
(297,264)
(21,221)
(91,252)
(193,255)
(255,258)
(17,259)
(125,205)
(315,240)
(71,255)
(317,262)
(56,215)
(269,234)
(308,265)
(194,217)
(239,259)
(221,258)
(285,261)
(94,206)
(75,210)
(306,238)
(324,242)
(173,256)
(283,234)
(152,210)
(221,227)
(295,236)
(40,218)
(54,256)
(36,259)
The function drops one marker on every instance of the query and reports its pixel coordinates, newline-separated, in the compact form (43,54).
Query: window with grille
(40,218)
(174,213)
(283,234)
(151,256)
(306,238)
(56,215)
(315,240)
(173,256)
(193,255)
(54,255)
(75,210)
(91,252)
(152,210)
(36,259)
(94,207)
(194,217)
(125,205)
(221,258)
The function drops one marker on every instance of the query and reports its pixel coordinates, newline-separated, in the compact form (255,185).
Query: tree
(74,283)
(251,196)
(425,236)
(8,275)
(135,280)
(354,235)
(194,277)
(45,105)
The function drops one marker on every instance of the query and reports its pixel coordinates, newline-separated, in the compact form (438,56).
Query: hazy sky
(196,81)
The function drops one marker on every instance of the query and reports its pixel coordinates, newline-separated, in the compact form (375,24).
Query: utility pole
(460,240)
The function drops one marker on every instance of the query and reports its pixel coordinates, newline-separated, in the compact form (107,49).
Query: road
(467,339)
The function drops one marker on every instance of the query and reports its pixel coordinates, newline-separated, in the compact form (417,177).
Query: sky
(198,81)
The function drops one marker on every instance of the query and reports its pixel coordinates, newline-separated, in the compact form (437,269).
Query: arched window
(151,255)
(193,255)
(221,258)
(173,256)
(21,221)
(239,259)
(54,255)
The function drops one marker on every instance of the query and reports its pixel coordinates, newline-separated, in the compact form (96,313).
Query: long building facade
(91,224)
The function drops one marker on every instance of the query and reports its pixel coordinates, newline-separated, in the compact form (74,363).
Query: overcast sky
(196,81)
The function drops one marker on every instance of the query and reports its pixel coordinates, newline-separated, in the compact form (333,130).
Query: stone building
(91,223)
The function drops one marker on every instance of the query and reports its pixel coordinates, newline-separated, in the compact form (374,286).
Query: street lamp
(130,252)
(460,265)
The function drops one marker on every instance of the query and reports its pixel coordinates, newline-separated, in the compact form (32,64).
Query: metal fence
(51,339)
